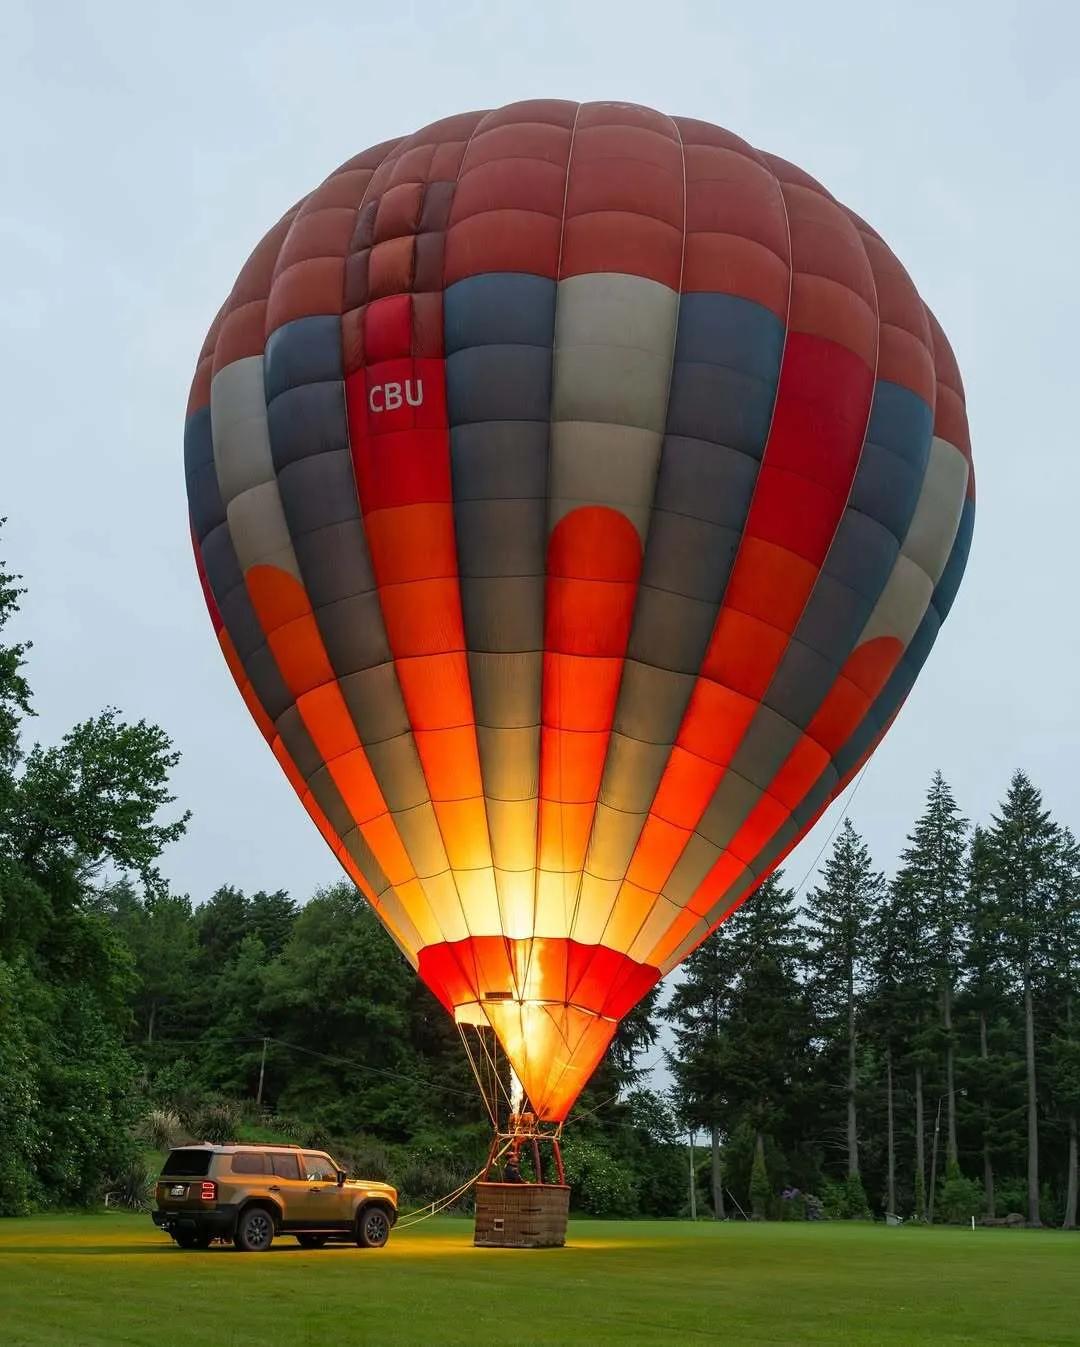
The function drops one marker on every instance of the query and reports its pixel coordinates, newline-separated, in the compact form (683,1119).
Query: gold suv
(249,1194)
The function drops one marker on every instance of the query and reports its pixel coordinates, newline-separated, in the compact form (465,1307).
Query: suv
(248,1194)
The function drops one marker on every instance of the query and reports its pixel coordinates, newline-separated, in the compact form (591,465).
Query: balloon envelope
(577,493)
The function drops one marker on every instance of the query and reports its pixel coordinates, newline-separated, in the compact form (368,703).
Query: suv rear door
(182,1176)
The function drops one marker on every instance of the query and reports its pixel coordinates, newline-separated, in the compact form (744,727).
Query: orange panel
(436,691)
(659,847)
(715,721)
(580,691)
(357,786)
(423,617)
(770,582)
(744,652)
(450,761)
(327,720)
(572,763)
(686,787)
(564,834)
(412,542)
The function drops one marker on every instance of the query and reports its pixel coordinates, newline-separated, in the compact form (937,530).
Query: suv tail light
(208,1192)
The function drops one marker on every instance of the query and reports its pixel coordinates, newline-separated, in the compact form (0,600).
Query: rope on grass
(425,1213)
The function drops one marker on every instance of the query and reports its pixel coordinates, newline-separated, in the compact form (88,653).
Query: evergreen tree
(1062,986)
(931,876)
(837,915)
(698,1008)
(1023,841)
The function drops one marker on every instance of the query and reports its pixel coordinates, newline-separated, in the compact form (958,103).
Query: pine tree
(984,984)
(1023,842)
(931,875)
(697,1009)
(838,914)
(1062,979)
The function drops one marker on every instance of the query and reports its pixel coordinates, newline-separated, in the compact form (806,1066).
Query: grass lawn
(112,1278)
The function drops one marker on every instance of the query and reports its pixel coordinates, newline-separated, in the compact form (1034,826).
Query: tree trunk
(1069,1223)
(1032,1102)
(920,1142)
(952,1153)
(988,1164)
(852,1121)
(719,1214)
(891,1135)
(150,1022)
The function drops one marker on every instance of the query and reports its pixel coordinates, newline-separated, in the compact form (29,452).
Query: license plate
(178,1190)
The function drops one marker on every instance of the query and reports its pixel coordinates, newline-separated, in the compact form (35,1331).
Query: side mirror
(341,1177)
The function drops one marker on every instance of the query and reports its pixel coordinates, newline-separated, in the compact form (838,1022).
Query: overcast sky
(146,148)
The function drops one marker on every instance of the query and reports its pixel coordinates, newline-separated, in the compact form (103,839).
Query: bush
(132,1187)
(162,1129)
(601,1185)
(216,1122)
(846,1200)
(960,1198)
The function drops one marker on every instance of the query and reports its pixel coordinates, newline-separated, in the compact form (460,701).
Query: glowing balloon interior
(577,492)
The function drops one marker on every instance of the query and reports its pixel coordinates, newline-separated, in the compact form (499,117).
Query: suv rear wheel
(372,1228)
(254,1230)
(311,1241)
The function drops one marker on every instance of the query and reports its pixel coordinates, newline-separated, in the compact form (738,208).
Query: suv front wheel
(372,1228)
(254,1230)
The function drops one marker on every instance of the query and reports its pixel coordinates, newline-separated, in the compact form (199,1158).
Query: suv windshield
(193,1162)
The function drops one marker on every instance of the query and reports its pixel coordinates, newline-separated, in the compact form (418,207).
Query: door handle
(274,1188)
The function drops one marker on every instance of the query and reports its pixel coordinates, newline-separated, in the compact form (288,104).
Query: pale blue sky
(146,149)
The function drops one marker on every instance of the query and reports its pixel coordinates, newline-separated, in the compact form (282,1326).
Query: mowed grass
(88,1280)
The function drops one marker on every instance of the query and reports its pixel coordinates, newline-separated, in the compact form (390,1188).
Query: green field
(85,1280)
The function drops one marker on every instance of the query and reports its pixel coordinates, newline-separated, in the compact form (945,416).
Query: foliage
(601,1186)
(960,1198)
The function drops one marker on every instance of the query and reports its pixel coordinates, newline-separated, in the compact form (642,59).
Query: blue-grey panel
(670,631)
(501,537)
(262,669)
(498,383)
(298,741)
(370,695)
(318,491)
(862,555)
(499,308)
(800,684)
(307,420)
(954,567)
(705,481)
(716,329)
(689,556)
(886,488)
(353,633)
(503,613)
(901,421)
(205,506)
(496,460)
(305,351)
(711,402)
(334,562)
(198,440)
(834,616)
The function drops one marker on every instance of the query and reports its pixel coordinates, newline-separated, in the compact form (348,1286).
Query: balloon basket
(521,1215)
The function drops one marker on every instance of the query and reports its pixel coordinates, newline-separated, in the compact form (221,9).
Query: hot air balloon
(577,492)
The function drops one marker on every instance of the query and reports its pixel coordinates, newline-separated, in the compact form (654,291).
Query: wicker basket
(521,1215)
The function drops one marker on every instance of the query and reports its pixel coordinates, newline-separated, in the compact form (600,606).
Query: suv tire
(372,1227)
(312,1241)
(254,1230)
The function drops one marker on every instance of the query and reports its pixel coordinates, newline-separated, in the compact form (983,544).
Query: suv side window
(249,1162)
(320,1169)
(285,1166)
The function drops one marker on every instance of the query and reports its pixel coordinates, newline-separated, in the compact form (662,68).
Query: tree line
(911,1044)
(908,1045)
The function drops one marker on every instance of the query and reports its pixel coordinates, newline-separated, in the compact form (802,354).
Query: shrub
(161,1128)
(601,1185)
(131,1187)
(960,1198)
(216,1122)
